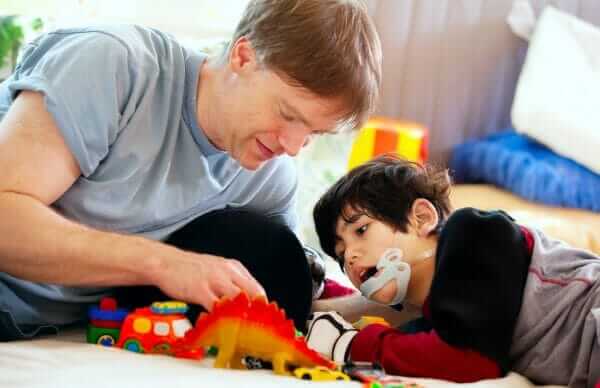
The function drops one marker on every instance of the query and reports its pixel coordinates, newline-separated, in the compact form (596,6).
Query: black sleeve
(481,268)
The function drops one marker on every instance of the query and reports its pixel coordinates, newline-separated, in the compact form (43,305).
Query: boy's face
(362,241)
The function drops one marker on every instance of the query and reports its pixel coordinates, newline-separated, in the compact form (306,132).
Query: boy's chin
(385,295)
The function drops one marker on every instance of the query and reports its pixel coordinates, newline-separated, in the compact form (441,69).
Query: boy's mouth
(367,273)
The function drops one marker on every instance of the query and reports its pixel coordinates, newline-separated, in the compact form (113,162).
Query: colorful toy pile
(242,333)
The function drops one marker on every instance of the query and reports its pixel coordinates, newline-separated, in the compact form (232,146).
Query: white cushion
(558,92)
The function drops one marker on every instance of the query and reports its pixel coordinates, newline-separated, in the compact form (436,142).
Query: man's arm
(38,244)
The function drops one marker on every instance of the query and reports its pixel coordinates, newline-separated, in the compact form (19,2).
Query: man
(129,160)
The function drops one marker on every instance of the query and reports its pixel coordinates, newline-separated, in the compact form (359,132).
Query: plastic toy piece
(367,320)
(365,372)
(242,327)
(320,373)
(169,307)
(382,135)
(158,331)
(256,363)
(392,382)
(105,322)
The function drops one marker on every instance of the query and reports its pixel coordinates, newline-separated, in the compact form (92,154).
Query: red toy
(159,329)
(242,327)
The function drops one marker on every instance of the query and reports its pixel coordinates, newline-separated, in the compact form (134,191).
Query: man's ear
(242,56)
(424,216)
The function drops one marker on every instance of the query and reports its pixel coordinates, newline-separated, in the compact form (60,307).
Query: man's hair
(329,47)
(384,189)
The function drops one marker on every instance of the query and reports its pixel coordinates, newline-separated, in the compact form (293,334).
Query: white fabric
(558,92)
(329,338)
(62,363)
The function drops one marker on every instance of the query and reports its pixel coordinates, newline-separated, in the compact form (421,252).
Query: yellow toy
(242,327)
(320,373)
(383,135)
(367,320)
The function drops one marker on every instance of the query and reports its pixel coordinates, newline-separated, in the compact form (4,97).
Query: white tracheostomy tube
(391,267)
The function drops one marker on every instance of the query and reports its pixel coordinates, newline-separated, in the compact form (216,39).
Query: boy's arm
(422,354)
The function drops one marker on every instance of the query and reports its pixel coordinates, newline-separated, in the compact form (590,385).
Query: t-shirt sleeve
(85,77)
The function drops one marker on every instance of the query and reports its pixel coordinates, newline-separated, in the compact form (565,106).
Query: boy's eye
(360,231)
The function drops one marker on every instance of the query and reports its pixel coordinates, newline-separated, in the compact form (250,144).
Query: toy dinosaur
(242,327)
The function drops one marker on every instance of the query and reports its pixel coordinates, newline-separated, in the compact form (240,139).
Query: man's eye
(286,117)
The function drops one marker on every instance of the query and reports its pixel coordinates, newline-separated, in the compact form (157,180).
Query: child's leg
(270,251)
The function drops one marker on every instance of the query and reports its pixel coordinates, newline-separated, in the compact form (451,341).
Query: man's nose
(293,139)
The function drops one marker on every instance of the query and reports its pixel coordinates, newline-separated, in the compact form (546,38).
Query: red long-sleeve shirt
(420,354)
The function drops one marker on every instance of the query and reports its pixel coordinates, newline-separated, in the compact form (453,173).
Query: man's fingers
(241,267)
(208,299)
(243,279)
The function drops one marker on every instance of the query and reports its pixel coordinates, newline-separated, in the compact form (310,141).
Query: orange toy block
(383,135)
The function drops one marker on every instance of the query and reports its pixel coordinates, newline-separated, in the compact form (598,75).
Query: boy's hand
(330,335)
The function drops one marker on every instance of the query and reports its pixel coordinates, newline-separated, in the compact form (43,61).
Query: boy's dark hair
(384,189)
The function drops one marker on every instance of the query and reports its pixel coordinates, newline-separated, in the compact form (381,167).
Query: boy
(495,296)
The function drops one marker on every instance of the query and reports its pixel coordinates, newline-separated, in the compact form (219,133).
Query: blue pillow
(527,168)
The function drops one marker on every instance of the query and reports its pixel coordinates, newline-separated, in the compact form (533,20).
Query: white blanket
(66,362)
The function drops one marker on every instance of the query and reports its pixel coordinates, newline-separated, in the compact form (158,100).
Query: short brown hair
(384,189)
(329,47)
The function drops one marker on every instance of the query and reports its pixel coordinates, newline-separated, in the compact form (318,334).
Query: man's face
(265,117)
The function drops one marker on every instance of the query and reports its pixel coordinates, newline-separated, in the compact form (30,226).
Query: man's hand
(203,279)
(330,335)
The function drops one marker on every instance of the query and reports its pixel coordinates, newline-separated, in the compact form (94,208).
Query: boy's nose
(351,259)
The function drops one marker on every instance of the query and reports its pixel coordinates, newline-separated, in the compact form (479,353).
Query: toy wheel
(252,363)
(163,348)
(106,340)
(133,345)
(340,378)
(306,376)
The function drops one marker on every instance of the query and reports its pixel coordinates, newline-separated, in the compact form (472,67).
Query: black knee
(269,250)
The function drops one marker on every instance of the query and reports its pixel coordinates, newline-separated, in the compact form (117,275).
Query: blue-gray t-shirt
(124,99)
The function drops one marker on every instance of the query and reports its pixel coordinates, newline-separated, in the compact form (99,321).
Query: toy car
(158,329)
(320,373)
(365,372)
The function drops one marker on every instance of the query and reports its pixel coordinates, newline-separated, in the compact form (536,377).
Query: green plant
(11,38)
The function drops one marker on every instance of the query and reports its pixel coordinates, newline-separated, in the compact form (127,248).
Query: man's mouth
(265,152)
(367,273)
